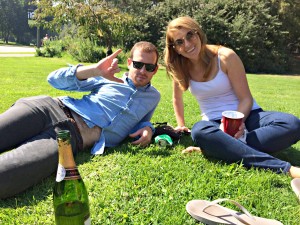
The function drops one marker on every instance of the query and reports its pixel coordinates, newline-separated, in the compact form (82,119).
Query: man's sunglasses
(189,37)
(139,65)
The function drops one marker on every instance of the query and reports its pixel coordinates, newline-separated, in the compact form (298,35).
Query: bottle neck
(65,154)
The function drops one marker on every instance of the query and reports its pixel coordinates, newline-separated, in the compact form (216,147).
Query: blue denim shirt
(118,108)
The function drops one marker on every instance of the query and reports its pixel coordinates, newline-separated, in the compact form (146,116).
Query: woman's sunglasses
(139,65)
(189,37)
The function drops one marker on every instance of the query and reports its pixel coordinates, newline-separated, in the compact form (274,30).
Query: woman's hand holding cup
(232,123)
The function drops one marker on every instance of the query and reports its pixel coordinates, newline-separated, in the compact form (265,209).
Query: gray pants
(28,146)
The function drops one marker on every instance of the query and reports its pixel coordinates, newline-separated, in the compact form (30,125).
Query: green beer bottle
(70,197)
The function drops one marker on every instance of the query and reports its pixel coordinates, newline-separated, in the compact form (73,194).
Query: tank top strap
(219,60)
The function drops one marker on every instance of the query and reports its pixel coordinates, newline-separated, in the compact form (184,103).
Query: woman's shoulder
(225,51)
(220,50)
(227,54)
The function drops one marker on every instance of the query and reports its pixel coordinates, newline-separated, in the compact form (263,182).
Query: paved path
(16,51)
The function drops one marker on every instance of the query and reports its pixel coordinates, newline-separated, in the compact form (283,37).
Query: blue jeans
(269,132)
(28,146)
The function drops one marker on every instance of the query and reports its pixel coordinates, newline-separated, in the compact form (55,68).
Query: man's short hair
(145,46)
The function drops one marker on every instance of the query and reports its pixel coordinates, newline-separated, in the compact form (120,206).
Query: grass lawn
(131,185)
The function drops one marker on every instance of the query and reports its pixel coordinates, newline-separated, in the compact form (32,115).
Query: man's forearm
(85,72)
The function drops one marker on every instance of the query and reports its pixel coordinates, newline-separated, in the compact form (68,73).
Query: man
(113,109)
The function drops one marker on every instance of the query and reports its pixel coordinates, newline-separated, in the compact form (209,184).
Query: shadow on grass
(31,196)
(151,150)
(290,154)
(40,191)
(43,190)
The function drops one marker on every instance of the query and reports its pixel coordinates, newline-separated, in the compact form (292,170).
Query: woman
(215,75)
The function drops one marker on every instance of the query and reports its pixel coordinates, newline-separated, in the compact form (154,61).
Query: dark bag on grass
(164,128)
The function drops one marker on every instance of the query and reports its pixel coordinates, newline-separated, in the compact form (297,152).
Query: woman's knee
(296,124)
(202,128)
(295,127)
(291,122)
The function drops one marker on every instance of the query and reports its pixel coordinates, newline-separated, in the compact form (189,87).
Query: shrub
(50,49)
(248,28)
(123,56)
(84,50)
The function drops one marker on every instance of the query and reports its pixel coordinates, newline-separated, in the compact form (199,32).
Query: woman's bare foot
(294,172)
(191,149)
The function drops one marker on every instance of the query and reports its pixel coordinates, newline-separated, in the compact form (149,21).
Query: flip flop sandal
(295,183)
(212,213)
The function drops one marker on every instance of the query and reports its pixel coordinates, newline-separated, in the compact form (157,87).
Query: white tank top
(215,96)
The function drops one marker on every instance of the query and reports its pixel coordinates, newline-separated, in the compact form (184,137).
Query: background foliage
(263,32)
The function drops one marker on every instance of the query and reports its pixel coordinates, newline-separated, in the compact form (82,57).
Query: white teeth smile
(190,50)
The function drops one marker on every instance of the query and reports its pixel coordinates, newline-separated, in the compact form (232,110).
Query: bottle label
(72,174)
(67,174)
(61,173)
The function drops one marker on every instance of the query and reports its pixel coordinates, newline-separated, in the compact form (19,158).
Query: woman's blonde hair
(176,64)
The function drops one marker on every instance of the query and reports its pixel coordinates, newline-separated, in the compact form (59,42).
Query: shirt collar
(130,83)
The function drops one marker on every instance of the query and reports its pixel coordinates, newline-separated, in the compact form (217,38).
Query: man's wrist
(152,129)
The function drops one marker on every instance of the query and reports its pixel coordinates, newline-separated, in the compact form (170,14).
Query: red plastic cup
(232,120)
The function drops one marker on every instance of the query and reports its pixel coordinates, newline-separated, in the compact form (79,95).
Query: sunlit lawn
(130,185)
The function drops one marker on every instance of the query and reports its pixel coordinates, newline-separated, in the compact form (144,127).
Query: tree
(95,19)
(256,29)
(9,14)
(21,29)
(247,26)
(288,12)
(250,29)
(14,21)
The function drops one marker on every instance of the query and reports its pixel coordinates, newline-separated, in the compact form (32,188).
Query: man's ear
(129,61)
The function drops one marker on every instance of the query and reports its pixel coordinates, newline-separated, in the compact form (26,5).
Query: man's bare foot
(294,172)
(191,149)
